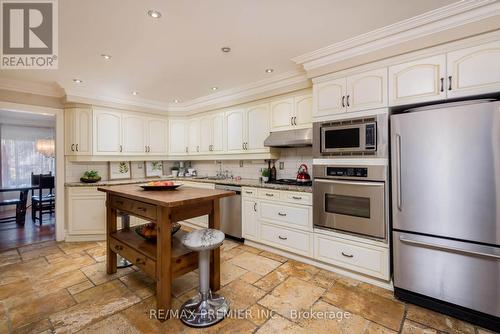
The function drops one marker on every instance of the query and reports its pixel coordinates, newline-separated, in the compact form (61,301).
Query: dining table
(23,201)
(166,258)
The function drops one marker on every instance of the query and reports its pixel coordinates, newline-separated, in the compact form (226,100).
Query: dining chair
(42,203)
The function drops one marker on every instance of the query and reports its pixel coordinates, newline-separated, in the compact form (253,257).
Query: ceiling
(26,118)
(179,55)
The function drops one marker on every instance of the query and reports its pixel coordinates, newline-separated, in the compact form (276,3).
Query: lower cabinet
(250,223)
(85,213)
(298,242)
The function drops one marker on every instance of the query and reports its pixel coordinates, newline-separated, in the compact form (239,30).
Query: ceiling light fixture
(77,81)
(105,56)
(134,93)
(154,14)
(176,101)
(226,49)
(214,88)
(269,70)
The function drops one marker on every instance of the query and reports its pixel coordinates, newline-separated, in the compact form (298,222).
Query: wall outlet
(282,165)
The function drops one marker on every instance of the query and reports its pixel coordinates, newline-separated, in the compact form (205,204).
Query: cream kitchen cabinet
(156,136)
(291,113)
(194,136)
(212,133)
(107,132)
(418,81)
(78,131)
(134,134)
(250,224)
(367,90)
(85,213)
(257,128)
(178,137)
(474,70)
(235,130)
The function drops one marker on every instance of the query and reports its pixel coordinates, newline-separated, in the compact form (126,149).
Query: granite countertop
(243,182)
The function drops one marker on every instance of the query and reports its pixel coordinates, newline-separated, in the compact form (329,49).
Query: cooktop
(291,182)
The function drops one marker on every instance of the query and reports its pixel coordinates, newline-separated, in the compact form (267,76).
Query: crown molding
(30,87)
(435,21)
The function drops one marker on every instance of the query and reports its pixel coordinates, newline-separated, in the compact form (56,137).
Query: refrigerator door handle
(399,196)
(409,240)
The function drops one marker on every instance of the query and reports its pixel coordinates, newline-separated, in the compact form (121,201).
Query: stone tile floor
(63,288)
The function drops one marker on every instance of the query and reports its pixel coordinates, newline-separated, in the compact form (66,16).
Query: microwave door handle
(399,196)
(411,241)
(353,183)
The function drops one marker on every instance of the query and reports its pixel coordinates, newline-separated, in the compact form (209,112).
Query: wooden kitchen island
(167,258)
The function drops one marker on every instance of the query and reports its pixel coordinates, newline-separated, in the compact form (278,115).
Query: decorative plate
(151,187)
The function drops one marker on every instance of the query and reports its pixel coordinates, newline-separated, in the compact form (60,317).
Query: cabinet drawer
(142,209)
(366,259)
(291,240)
(290,216)
(249,192)
(297,197)
(140,260)
(269,194)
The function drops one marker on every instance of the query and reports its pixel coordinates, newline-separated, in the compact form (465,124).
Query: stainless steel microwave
(361,136)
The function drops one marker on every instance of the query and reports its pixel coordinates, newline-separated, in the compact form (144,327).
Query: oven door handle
(351,183)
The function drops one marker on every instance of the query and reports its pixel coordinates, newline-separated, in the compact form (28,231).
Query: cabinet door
(177,137)
(69,132)
(194,136)
(206,132)
(281,114)
(134,134)
(257,128)
(250,223)
(107,132)
(474,70)
(417,81)
(87,213)
(303,111)
(156,134)
(235,131)
(217,133)
(329,97)
(83,131)
(367,90)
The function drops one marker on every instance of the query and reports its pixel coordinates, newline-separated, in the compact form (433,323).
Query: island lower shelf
(142,253)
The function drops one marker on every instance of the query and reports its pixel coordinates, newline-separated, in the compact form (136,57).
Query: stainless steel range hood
(289,138)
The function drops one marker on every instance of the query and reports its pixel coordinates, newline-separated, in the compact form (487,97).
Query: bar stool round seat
(207,308)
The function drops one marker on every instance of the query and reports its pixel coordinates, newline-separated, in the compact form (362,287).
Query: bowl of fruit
(160,185)
(148,231)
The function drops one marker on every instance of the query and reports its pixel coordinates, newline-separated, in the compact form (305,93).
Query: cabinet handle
(146,149)
(72,147)
(282,214)
(442,85)
(121,148)
(449,82)
(348,100)
(140,261)
(249,192)
(76,147)
(186,149)
(270,195)
(347,255)
(142,209)
(149,148)
(282,238)
(296,197)
(118,247)
(295,120)
(291,120)
(255,206)
(198,148)
(343,101)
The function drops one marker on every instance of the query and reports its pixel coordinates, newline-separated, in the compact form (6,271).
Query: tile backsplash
(291,158)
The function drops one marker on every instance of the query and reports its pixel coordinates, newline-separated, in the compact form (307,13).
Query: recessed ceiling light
(269,70)
(77,81)
(226,49)
(175,101)
(134,92)
(214,88)
(105,56)
(154,14)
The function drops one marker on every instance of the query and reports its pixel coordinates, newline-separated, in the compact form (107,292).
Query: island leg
(214,222)
(110,228)
(163,263)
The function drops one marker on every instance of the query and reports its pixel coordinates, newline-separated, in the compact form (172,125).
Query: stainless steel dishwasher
(230,211)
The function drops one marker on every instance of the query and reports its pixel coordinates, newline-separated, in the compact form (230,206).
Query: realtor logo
(29,34)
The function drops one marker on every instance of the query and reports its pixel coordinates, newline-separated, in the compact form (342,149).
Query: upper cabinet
(257,128)
(291,113)
(194,136)
(178,137)
(107,132)
(134,134)
(212,133)
(156,135)
(474,70)
(362,91)
(78,131)
(418,81)
(235,124)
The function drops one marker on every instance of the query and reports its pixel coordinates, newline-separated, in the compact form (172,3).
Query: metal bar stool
(207,308)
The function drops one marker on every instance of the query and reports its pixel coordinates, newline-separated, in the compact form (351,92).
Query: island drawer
(141,209)
(140,260)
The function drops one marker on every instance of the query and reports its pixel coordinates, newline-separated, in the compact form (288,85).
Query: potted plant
(90,176)
(265,174)
(175,171)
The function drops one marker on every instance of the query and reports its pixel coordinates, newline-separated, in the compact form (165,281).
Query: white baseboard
(85,237)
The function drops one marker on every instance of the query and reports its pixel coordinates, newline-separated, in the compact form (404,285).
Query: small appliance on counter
(303,174)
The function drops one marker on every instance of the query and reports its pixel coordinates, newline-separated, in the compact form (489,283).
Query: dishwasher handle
(236,189)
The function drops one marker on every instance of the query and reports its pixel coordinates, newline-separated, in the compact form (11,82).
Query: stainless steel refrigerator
(445,166)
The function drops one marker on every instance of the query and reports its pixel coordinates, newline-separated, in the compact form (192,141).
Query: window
(19,154)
